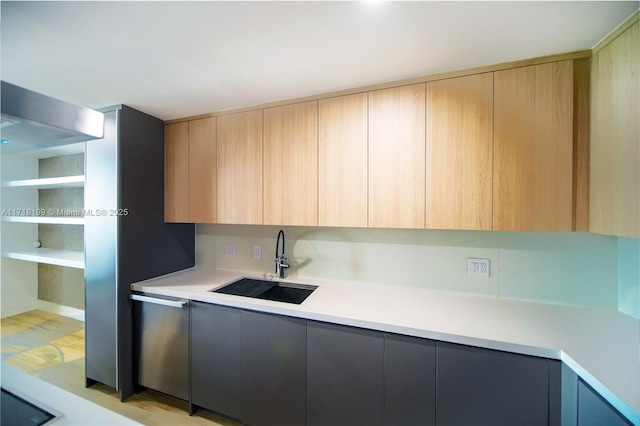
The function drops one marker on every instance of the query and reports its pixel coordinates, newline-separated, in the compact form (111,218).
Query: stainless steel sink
(268,290)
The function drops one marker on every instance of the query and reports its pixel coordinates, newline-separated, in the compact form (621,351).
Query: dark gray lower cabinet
(273,370)
(485,387)
(409,381)
(274,354)
(344,376)
(593,410)
(247,365)
(215,358)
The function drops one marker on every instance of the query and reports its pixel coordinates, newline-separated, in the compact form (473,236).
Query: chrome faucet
(281,260)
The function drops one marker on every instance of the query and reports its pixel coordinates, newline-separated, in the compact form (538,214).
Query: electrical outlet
(257,252)
(230,251)
(478,267)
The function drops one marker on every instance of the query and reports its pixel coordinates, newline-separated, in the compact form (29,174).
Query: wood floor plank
(51,347)
(16,323)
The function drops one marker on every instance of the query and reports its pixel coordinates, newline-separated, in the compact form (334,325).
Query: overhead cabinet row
(485,151)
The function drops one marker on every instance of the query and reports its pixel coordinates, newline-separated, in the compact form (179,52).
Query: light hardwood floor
(51,347)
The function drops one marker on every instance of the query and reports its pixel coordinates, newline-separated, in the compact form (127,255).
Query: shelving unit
(45,183)
(69,258)
(22,203)
(51,220)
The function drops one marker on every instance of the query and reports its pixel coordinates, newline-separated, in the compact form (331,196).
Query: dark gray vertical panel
(593,410)
(101,233)
(569,397)
(344,376)
(147,247)
(485,387)
(409,381)
(215,358)
(128,241)
(555,393)
(273,369)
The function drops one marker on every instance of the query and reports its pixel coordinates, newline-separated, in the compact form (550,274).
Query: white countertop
(68,408)
(601,346)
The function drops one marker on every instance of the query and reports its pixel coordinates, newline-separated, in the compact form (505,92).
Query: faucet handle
(281,265)
(282,261)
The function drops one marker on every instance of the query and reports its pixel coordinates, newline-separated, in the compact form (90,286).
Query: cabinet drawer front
(344,376)
(215,358)
(485,387)
(273,369)
(409,381)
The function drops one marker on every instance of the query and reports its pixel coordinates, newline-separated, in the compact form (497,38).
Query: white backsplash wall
(574,268)
(629,276)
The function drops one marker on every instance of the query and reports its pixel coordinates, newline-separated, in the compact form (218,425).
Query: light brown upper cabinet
(615,135)
(397,157)
(533,148)
(342,162)
(459,153)
(176,172)
(190,171)
(240,168)
(202,170)
(291,164)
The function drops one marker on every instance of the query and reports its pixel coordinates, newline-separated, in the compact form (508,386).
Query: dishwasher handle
(173,303)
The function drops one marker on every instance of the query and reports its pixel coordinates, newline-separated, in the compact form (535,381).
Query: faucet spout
(281,260)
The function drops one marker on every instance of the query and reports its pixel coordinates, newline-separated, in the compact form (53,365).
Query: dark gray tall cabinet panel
(593,410)
(215,358)
(485,387)
(274,353)
(126,238)
(344,376)
(563,397)
(409,381)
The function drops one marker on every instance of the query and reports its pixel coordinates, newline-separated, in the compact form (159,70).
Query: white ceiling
(176,59)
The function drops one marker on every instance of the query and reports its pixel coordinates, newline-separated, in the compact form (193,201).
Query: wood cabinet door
(239,176)
(533,148)
(397,157)
(291,164)
(342,162)
(202,170)
(176,172)
(459,152)
(615,137)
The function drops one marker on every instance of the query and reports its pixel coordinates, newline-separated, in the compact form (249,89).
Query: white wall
(574,268)
(18,279)
(629,276)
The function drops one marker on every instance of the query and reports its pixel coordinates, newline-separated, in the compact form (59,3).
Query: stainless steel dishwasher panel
(161,344)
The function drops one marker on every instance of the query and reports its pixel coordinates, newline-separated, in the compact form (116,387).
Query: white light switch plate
(230,251)
(477,267)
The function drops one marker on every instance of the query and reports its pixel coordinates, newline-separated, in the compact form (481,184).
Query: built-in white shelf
(51,220)
(43,183)
(70,258)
